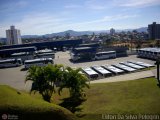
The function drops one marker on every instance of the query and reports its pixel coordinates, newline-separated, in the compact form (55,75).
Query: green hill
(13,102)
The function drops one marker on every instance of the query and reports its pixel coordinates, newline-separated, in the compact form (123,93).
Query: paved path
(15,78)
(126,77)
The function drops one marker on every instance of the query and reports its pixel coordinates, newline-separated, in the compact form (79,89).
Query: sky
(38,17)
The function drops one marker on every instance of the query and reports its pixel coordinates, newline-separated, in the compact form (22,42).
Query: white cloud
(73,6)
(99,23)
(97,7)
(97,4)
(138,3)
(35,23)
(43,23)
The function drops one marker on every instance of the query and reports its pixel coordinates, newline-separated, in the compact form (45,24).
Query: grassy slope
(129,97)
(138,96)
(25,106)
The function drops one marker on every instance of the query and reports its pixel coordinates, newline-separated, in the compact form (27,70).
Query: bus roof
(113,69)
(20,53)
(101,70)
(46,54)
(132,65)
(7,60)
(141,63)
(151,49)
(45,51)
(124,67)
(38,59)
(89,71)
(106,52)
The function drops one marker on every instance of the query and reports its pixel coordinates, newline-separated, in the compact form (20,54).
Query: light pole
(157,63)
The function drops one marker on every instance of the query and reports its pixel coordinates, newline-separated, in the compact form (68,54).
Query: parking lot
(16,78)
(63,58)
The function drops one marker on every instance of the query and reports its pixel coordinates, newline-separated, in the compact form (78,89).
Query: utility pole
(158,63)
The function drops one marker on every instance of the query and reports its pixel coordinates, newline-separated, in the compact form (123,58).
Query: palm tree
(44,79)
(75,82)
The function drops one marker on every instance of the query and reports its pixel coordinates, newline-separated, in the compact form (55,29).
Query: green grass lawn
(129,97)
(15,102)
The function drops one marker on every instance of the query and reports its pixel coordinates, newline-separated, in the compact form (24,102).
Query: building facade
(154,31)
(13,36)
(112,31)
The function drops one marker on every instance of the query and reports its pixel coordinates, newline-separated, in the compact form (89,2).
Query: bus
(37,62)
(141,63)
(74,57)
(132,65)
(125,68)
(105,55)
(10,63)
(102,71)
(149,53)
(44,51)
(23,55)
(90,73)
(113,69)
(45,55)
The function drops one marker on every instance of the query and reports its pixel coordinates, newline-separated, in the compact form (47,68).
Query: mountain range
(79,33)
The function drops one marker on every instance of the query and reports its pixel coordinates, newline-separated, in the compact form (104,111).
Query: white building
(13,36)
(112,31)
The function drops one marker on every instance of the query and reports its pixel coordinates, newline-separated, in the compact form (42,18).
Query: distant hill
(142,29)
(71,32)
(79,33)
(31,36)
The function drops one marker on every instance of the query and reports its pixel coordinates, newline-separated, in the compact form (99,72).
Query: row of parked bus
(27,63)
(95,72)
(40,58)
(149,53)
(96,56)
(46,53)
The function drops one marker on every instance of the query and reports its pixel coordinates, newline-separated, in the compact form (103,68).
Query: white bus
(45,55)
(132,65)
(102,71)
(37,62)
(125,68)
(113,69)
(74,57)
(141,63)
(150,53)
(44,51)
(10,63)
(90,73)
(23,55)
(105,55)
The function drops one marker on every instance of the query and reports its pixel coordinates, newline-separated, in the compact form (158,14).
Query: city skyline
(47,16)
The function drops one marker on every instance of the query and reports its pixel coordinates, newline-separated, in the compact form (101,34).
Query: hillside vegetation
(23,105)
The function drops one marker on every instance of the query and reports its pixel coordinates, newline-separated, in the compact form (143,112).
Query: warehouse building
(8,52)
(50,45)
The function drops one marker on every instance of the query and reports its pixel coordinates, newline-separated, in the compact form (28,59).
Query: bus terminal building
(32,47)
(96,52)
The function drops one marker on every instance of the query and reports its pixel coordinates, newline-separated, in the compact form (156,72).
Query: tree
(75,82)
(44,79)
